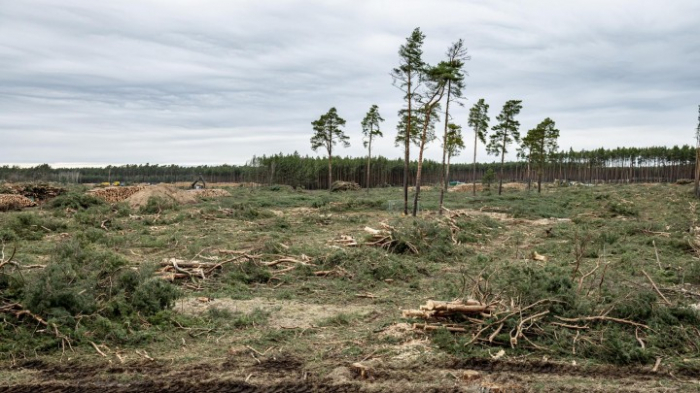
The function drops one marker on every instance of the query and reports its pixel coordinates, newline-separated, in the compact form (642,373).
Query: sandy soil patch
(283,313)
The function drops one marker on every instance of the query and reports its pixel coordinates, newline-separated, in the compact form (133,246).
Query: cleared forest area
(621,165)
(268,288)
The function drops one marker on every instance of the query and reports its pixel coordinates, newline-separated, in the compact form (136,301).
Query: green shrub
(33,226)
(76,201)
(155,295)
(156,205)
(249,273)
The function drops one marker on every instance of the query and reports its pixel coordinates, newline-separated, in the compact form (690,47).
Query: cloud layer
(210,82)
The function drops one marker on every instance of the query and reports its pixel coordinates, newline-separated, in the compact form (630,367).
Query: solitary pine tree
(454,143)
(456,57)
(370,129)
(479,122)
(505,133)
(408,76)
(542,146)
(327,134)
(436,83)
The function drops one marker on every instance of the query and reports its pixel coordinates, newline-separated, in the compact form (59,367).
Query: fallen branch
(656,288)
(603,318)
(425,326)
(98,349)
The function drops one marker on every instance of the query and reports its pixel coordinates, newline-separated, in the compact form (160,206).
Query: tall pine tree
(370,129)
(456,57)
(408,77)
(505,133)
(479,122)
(541,142)
(327,134)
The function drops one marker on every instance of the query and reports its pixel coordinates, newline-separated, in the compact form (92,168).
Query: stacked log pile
(115,194)
(436,313)
(12,201)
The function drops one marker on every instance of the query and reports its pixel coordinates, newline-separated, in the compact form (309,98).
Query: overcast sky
(213,82)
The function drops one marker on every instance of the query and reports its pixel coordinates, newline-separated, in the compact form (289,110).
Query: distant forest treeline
(652,164)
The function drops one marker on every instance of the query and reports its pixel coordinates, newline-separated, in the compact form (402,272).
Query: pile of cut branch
(386,239)
(489,322)
(173,269)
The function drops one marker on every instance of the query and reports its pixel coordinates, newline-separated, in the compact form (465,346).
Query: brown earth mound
(209,193)
(13,201)
(165,192)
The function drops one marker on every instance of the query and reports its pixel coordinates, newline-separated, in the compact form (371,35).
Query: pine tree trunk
(443,177)
(476,134)
(407,147)
(697,172)
(423,138)
(369,157)
(503,158)
(447,171)
(330,170)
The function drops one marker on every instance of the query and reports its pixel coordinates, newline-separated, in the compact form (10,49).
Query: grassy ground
(85,273)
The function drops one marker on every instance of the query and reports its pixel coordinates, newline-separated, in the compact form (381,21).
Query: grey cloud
(219,81)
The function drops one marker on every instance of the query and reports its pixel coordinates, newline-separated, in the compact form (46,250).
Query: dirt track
(287,374)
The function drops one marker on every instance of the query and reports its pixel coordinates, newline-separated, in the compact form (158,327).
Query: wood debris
(173,269)
(13,201)
(437,309)
(115,194)
(345,240)
(538,257)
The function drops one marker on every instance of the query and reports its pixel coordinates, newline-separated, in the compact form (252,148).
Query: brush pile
(40,192)
(173,269)
(35,192)
(116,194)
(344,186)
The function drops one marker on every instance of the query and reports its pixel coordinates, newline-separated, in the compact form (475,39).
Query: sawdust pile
(13,201)
(166,192)
(210,193)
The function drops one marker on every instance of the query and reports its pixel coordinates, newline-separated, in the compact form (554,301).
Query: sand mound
(165,192)
(422,188)
(466,188)
(209,193)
